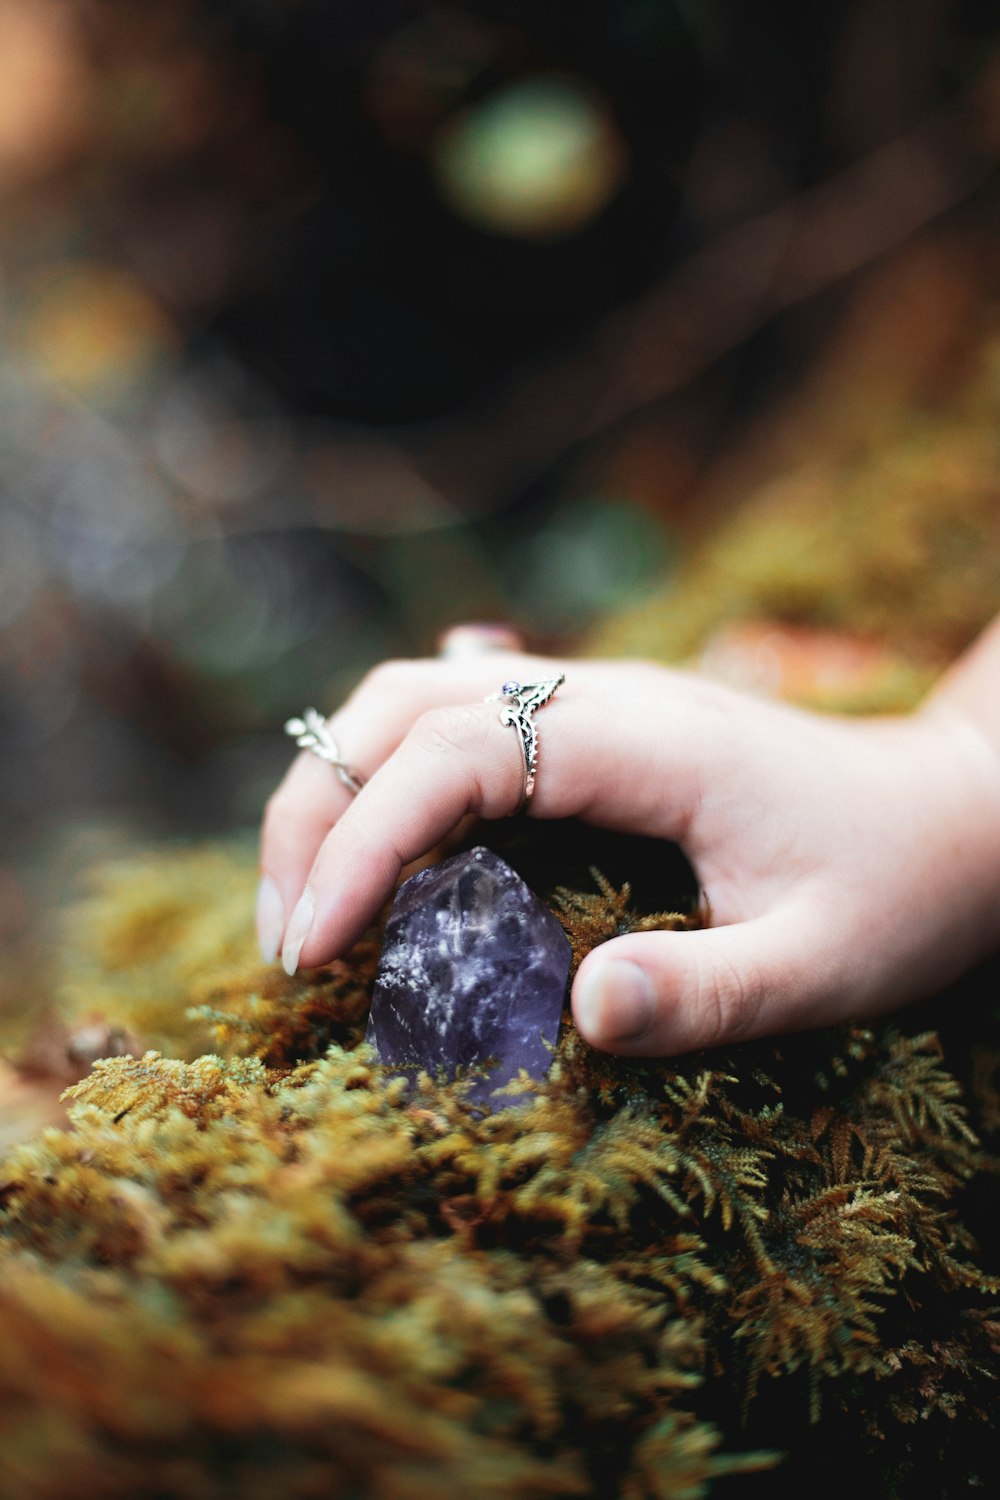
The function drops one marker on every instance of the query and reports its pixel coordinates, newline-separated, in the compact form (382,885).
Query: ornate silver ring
(520,701)
(312,733)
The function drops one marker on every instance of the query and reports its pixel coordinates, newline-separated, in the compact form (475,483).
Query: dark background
(327,324)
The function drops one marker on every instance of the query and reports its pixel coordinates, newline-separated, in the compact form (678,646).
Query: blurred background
(326,323)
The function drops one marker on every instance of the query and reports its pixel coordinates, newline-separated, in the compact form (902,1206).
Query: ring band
(311,733)
(520,701)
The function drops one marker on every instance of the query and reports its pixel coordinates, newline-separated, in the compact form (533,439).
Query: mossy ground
(256,1266)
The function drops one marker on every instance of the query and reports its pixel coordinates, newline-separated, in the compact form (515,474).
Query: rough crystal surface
(473,971)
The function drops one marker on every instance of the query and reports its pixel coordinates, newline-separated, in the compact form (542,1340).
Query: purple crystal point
(473,969)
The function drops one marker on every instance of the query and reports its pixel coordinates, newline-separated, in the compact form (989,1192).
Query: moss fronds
(590,918)
(275,1269)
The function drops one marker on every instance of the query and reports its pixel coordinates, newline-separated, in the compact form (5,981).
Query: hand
(850,865)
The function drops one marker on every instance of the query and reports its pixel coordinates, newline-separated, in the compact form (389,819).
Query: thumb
(657,993)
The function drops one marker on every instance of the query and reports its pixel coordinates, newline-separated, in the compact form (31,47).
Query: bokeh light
(538,159)
(323,326)
(588,557)
(96,331)
(44,90)
(219,434)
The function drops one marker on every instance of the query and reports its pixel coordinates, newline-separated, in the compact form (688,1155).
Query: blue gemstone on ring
(510,688)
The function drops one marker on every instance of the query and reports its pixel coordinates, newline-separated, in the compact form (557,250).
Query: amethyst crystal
(473,971)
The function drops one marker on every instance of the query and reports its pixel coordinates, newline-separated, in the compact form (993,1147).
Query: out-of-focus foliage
(538,161)
(325,325)
(896,546)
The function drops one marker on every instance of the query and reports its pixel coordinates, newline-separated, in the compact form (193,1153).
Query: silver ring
(520,700)
(311,733)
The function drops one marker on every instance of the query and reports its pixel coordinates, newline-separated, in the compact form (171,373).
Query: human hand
(849,865)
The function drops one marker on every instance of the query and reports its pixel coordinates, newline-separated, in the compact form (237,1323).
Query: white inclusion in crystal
(474,969)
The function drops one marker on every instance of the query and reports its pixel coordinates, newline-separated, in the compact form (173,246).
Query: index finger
(457,762)
(369,727)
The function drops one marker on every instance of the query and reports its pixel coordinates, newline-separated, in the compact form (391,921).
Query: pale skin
(850,865)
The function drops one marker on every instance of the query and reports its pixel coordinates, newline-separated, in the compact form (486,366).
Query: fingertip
(270,919)
(614,1002)
(297,819)
(658,994)
(478,638)
(299,927)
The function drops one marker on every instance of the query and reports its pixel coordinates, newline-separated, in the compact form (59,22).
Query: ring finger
(464,759)
(367,729)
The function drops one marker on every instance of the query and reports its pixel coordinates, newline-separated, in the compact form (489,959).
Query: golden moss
(274,1270)
(589,918)
(162,947)
(897,542)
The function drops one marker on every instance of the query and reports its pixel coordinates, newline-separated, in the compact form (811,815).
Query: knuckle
(276,810)
(644,672)
(291,799)
(728,997)
(386,679)
(455,727)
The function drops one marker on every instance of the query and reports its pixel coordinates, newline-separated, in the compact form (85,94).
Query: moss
(273,1270)
(896,541)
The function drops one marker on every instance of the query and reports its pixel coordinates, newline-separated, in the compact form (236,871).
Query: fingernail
(615,1001)
(270,918)
(298,930)
(476,638)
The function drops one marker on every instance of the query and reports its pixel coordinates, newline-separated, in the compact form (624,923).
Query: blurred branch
(717,299)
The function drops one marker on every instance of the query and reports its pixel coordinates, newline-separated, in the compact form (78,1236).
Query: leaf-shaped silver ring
(311,732)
